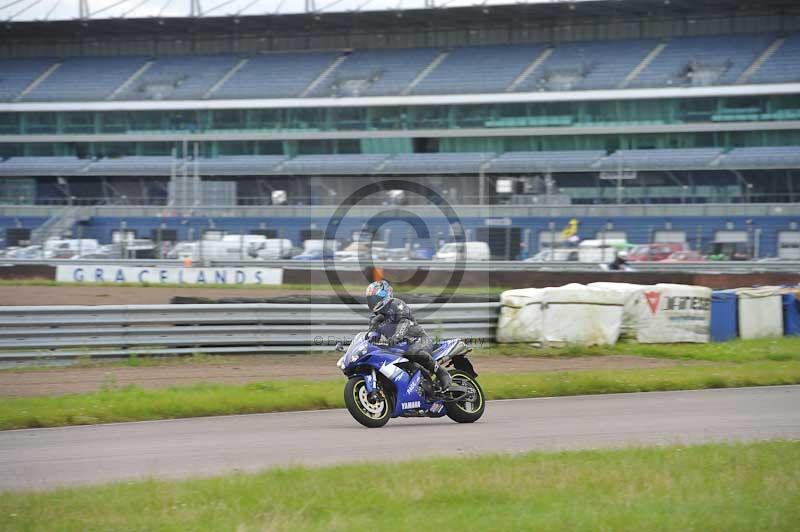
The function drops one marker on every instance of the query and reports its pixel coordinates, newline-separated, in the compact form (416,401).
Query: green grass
(113,403)
(731,487)
(775,349)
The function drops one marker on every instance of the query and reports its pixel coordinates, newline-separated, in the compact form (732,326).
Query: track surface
(45,458)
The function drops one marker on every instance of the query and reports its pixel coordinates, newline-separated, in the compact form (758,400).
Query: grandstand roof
(440,18)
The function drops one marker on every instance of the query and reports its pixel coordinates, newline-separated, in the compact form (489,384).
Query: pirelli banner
(167,275)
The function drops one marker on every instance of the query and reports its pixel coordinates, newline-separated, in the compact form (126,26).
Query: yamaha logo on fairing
(410,404)
(414,383)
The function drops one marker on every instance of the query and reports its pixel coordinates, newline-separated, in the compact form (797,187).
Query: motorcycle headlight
(358,354)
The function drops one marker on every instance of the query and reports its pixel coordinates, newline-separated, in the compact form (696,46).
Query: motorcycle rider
(392,318)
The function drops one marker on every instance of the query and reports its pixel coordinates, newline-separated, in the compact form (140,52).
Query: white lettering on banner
(167,275)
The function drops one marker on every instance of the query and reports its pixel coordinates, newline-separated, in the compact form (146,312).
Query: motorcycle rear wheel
(372,415)
(466,410)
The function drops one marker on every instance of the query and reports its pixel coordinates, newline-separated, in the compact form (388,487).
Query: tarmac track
(46,458)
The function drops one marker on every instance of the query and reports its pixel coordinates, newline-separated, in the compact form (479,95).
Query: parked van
(464,250)
(57,248)
(603,251)
(274,249)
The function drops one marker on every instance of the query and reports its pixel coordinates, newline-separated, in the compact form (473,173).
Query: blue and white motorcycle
(382,384)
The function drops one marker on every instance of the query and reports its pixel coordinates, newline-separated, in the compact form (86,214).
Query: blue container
(724,318)
(791,315)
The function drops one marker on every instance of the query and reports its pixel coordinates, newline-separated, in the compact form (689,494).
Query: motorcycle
(382,384)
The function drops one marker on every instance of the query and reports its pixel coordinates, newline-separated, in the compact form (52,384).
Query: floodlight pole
(311,6)
(83,8)
(195,9)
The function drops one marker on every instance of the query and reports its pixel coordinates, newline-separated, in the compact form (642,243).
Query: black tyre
(470,409)
(372,415)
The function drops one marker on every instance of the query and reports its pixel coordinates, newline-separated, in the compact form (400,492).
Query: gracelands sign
(167,275)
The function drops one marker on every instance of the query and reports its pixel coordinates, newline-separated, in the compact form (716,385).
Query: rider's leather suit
(399,324)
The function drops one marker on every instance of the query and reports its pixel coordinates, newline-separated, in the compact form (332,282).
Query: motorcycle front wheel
(471,407)
(370,414)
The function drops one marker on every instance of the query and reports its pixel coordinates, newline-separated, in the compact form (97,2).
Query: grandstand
(687,103)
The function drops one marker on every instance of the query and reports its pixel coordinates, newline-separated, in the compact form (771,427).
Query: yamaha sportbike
(382,384)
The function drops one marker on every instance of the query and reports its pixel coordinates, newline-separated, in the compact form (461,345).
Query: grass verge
(776,349)
(130,403)
(707,487)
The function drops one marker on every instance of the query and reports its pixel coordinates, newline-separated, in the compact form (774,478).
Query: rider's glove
(394,340)
(376,321)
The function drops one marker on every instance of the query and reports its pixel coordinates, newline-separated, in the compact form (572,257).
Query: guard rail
(496,265)
(123,330)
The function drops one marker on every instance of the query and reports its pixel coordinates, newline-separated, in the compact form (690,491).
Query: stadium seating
(135,165)
(85,79)
(238,164)
(703,60)
(545,161)
(479,69)
(414,163)
(783,65)
(17,74)
(587,65)
(279,75)
(43,166)
(435,163)
(762,157)
(684,61)
(179,78)
(675,159)
(375,72)
(352,164)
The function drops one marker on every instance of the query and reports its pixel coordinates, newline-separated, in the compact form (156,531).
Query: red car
(653,252)
(685,256)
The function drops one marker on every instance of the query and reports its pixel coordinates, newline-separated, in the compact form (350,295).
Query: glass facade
(399,118)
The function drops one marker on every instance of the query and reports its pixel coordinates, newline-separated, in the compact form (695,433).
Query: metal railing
(745,266)
(465,211)
(124,330)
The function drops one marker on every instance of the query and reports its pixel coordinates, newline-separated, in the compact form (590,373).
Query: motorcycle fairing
(368,356)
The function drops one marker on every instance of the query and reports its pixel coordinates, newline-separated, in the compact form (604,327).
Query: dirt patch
(34,295)
(242,370)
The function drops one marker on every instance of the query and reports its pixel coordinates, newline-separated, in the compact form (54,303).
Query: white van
(274,249)
(57,248)
(464,250)
(603,251)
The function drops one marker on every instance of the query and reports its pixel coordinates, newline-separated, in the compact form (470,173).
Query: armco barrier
(122,330)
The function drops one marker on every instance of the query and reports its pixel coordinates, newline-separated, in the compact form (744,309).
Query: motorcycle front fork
(371,384)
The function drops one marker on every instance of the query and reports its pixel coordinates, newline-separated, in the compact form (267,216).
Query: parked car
(603,251)
(685,256)
(555,254)
(729,251)
(315,254)
(466,250)
(654,252)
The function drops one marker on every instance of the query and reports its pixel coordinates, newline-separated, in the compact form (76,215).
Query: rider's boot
(443,377)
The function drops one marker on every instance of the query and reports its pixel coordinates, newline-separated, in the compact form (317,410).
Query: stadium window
(9,123)
(228,119)
(348,146)
(113,122)
(41,123)
(78,123)
(426,145)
